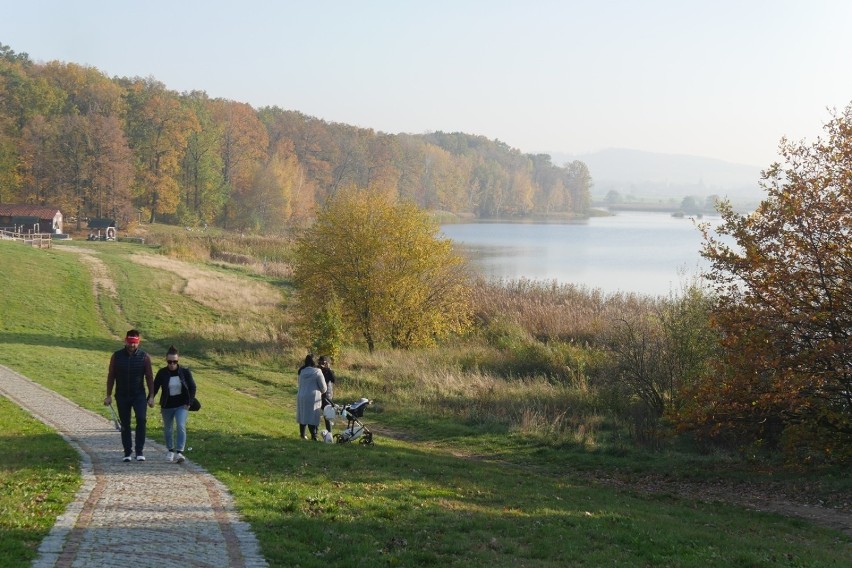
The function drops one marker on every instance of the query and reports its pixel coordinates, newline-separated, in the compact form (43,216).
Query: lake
(647,253)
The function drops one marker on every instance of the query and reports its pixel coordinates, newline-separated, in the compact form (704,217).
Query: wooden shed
(102,229)
(22,218)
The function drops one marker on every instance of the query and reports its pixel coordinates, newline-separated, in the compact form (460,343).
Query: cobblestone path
(140,514)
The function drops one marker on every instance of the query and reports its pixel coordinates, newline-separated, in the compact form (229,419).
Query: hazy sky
(716,78)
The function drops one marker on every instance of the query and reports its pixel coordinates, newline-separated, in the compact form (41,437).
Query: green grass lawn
(39,475)
(440,493)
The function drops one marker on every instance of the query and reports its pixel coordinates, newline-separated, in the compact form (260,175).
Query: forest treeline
(132,150)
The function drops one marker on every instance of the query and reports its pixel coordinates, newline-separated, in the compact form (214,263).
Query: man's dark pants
(139,404)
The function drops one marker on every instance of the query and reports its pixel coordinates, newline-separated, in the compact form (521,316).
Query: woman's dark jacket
(187,392)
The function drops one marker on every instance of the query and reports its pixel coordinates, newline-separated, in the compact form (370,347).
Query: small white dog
(326,436)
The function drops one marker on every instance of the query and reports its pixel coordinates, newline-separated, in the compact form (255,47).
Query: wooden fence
(40,240)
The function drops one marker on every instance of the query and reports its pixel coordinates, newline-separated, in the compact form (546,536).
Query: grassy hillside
(433,490)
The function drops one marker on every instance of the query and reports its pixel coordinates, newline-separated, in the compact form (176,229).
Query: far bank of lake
(643,252)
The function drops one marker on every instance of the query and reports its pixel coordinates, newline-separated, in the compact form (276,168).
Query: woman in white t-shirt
(178,388)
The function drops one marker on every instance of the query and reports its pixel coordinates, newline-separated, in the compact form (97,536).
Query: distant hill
(648,174)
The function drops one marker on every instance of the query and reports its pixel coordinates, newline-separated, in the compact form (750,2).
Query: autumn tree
(492,187)
(783,275)
(410,166)
(85,90)
(286,137)
(111,174)
(37,164)
(382,173)
(349,158)
(9,160)
(243,148)
(579,182)
(23,94)
(25,100)
(277,188)
(205,191)
(158,126)
(395,279)
(73,163)
(311,138)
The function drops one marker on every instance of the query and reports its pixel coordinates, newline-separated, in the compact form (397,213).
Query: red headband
(131,340)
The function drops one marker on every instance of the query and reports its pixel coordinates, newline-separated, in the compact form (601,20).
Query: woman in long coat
(309,398)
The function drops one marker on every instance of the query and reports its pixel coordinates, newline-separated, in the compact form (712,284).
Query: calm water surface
(648,253)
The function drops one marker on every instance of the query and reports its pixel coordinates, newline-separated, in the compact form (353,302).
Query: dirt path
(102,283)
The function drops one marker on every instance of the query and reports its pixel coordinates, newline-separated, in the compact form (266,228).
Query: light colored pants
(170,417)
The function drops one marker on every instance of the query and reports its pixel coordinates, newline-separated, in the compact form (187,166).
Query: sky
(714,78)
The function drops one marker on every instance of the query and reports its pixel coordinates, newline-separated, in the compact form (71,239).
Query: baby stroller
(351,413)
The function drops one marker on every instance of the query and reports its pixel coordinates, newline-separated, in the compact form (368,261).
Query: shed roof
(25,210)
(101,223)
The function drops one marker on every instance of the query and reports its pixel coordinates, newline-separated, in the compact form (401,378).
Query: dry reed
(550,311)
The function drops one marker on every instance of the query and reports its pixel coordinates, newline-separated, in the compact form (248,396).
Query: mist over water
(647,253)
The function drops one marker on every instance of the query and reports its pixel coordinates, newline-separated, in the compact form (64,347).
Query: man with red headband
(127,369)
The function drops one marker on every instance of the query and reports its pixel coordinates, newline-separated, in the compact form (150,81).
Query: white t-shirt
(174,385)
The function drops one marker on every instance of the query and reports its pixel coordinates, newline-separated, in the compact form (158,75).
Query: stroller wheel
(367,439)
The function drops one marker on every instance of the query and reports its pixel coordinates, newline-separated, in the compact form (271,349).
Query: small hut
(102,229)
(22,218)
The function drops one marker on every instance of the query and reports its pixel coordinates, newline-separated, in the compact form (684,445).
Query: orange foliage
(785,306)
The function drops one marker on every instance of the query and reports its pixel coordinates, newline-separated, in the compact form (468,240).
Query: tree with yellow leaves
(396,280)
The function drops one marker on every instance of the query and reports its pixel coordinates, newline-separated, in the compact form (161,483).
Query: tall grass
(266,255)
(550,311)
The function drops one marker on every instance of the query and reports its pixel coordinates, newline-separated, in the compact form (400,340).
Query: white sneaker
(140,458)
(170,456)
(126,458)
(179,458)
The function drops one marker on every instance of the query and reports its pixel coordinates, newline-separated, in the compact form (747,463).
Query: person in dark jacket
(328,396)
(129,373)
(178,388)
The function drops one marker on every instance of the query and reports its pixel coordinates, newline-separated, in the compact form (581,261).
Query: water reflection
(648,253)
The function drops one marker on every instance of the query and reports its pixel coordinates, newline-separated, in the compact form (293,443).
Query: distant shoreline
(651,207)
